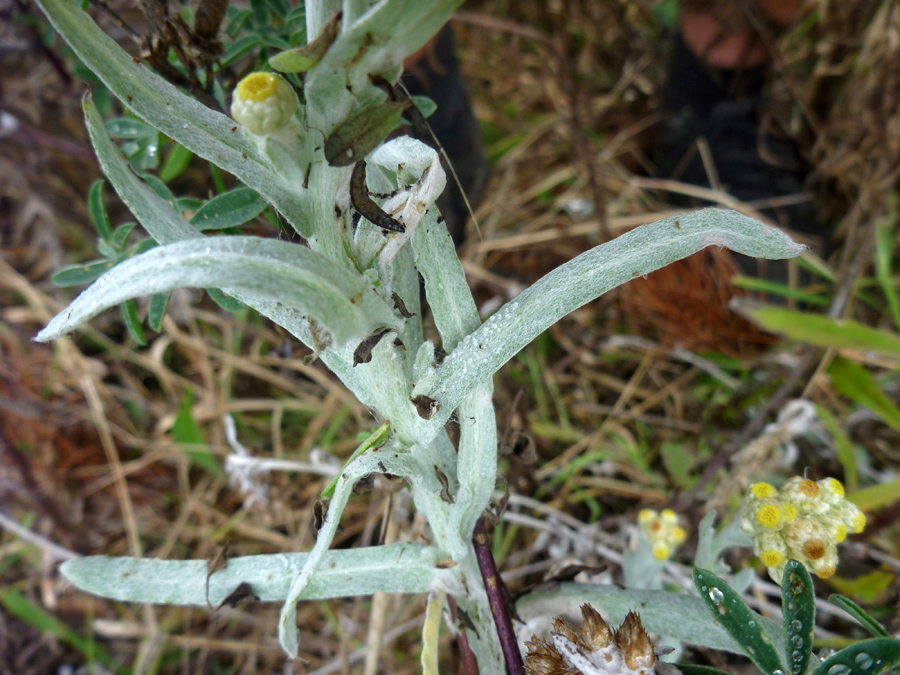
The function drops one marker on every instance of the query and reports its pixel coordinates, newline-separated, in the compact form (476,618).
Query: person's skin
(707,38)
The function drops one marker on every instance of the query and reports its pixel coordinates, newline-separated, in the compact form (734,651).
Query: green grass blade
(20,606)
(819,330)
(856,383)
(858,613)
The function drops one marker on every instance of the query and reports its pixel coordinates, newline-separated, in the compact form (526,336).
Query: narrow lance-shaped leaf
(641,251)
(133,322)
(742,623)
(183,582)
(157,215)
(291,274)
(97,209)
(798,604)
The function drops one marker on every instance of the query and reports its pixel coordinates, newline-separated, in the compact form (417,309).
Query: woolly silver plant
(338,290)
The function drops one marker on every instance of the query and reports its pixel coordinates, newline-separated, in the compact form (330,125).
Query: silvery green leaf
(711,543)
(155,214)
(183,582)
(383,459)
(290,274)
(568,287)
(477,464)
(208,134)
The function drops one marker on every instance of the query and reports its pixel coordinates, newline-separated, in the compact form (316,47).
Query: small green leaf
(188,204)
(176,162)
(856,383)
(97,208)
(129,128)
(133,322)
(679,463)
(120,236)
(142,246)
(869,657)
(425,105)
(230,209)
(303,58)
(741,623)
(279,7)
(187,433)
(226,302)
(159,187)
(798,605)
(159,303)
(75,275)
(240,48)
(858,613)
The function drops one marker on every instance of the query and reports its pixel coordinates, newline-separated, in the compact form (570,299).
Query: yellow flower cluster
(663,531)
(264,103)
(804,520)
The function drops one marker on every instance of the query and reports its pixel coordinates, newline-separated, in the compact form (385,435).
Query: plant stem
(469,666)
(492,584)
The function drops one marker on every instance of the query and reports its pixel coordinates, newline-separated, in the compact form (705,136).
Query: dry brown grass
(87,456)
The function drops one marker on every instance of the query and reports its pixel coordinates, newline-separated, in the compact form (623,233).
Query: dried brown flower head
(597,650)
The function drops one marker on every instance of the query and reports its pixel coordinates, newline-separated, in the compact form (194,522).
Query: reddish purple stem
(508,643)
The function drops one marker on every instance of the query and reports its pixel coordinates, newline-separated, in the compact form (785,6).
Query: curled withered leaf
(366,206)
(216,563)
(445,485)
(400,306)
(425,406)
(320,510)
(363,352)
(242,593)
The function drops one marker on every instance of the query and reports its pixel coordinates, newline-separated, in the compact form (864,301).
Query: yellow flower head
(662,530)
(769,515)
(804,520)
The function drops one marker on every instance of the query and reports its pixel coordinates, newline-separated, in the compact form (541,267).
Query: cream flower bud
(263,103)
